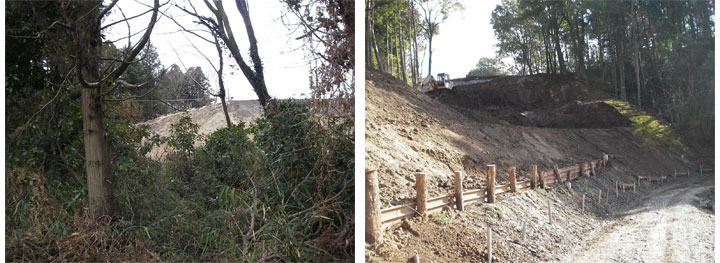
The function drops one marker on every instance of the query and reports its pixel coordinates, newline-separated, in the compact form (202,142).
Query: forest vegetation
(80,186)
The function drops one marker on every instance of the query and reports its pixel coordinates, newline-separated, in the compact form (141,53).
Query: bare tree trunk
(97,157)
(254,75)
(613,58)
(377,51)
(623,93)
(221,82)
(416,78)
(368,48)
(374,39)
(558,47)
(85,17)
(387,49)
(430,37)
(637,58)
(401,46)
(258,78)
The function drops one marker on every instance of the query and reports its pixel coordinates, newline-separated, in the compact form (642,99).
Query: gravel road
(666,225)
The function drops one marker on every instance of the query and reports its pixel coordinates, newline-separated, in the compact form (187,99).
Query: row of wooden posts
(375,217)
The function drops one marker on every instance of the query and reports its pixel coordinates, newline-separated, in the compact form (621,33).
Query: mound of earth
(209,119)
(539,100)
(409,131)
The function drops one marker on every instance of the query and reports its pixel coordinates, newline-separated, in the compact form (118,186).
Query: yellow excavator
(430,84)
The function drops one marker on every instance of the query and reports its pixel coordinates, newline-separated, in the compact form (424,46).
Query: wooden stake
(688,172)
(599,195)
(533,176)
(557,174)
(607,195)
(583,203)
(511,176)
(633,187)
(542,179)
(523,231)
(592,169)
(416,258)
(617,192)
(549,213)
(421,197)
(459,190)
(675,173)
(491,183)
(602,160)
(490,245)
(373,222)
(606,160)
(582,170)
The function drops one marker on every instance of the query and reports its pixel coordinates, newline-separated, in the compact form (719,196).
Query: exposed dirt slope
(209,118)
(407,131)
(538,100)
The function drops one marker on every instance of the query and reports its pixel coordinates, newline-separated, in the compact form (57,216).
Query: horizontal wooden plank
(475,195)
(440,201)
(503,187)
(523,184)
(391,214)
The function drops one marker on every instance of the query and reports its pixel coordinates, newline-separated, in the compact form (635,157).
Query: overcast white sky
(464,38)
(286,69)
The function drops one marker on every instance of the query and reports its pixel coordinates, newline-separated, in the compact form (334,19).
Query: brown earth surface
(407,131)
(539,100)
(209,119)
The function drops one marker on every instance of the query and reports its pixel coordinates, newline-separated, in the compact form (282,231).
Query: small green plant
(441,219)
(493,210)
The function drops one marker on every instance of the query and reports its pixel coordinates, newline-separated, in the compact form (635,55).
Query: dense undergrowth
(279,189)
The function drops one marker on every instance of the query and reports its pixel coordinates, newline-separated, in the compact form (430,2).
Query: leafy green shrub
(229,156)
(292,143)
(312,168)
(183,136)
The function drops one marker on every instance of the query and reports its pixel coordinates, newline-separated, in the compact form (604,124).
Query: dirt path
(664,226)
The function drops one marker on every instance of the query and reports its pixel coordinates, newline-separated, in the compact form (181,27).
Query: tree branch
(146,37)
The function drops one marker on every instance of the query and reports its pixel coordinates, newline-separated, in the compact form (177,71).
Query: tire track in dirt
(662,226)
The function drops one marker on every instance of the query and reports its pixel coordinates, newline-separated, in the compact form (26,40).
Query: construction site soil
(555,101)
(472,126)
(209,119)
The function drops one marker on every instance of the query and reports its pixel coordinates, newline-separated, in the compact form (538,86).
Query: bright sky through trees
(286,68)
(464,38)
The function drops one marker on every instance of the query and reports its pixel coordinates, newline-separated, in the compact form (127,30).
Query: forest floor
(529,120)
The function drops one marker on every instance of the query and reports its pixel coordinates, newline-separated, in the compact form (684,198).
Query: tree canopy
(488,67)
(658,55)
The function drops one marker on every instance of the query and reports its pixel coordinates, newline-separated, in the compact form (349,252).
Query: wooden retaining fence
(652,179)
(376,218)
(626,186)
(422,206)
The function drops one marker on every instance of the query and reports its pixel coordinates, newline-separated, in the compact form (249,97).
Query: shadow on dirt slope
(407,131)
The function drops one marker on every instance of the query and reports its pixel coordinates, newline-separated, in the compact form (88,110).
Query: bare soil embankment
(209,119)
(408,131)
